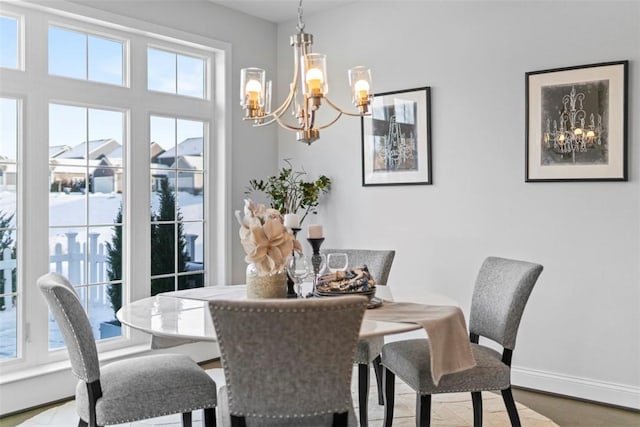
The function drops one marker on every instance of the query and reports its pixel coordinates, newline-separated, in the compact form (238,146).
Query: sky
(85,56)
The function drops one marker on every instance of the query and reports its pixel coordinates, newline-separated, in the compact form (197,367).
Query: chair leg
(476,399)
(186,419)
(209,417)
(507,396)
(237,421)
(389,379)
(363,392)
(423,410)
(377,369)
(82,423)
(341,419)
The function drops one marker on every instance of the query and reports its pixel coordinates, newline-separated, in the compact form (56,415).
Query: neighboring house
(92,161)
(187,159)
(188,147)
(8,176)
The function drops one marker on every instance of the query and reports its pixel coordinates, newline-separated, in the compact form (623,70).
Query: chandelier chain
(300,26)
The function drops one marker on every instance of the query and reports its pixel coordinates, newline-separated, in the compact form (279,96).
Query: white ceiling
(280,10)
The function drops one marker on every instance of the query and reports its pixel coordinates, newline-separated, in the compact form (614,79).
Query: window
(9,49)
(9,290)
(177,204)
(173,73)
(85,56)
(85,210)
(88,164)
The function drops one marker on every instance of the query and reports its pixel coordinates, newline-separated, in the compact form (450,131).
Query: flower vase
(266,285)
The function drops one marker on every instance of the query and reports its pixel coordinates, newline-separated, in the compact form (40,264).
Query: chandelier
(306,92)
(570,134)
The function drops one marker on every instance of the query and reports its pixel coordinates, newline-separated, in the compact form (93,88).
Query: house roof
(95,149)
(188,147)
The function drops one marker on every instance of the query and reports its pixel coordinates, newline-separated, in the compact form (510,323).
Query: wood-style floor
(563,411)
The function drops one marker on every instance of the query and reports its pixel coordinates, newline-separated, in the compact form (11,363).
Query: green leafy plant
(288,192)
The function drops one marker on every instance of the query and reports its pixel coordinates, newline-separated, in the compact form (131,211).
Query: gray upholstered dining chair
(127,390)
(368,352)
(500,294)
(287,362)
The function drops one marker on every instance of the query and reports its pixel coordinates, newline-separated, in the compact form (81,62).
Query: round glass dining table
(185,314)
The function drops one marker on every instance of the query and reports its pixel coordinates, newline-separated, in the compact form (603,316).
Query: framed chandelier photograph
(576,123)
(396,139)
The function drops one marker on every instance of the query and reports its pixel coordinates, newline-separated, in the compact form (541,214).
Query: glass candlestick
(291,292)
(316,258)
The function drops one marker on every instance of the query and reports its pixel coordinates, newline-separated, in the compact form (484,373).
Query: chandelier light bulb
(253,89)
(577,132)
(362,90)
(315,80)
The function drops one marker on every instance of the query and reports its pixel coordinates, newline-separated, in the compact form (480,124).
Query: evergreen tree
(163,241)
(163,238)
(114,270)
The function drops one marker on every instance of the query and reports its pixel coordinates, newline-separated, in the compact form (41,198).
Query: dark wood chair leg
(209,417)
(237,421)
(363,393)
(377,369)
(389,379)
(476,399)
(423,410)
(507,396)
(186,419)
(341,419)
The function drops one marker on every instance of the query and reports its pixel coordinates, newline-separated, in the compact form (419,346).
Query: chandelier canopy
(307,90)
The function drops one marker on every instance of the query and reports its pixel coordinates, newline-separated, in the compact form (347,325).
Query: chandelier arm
(286,125)
(340,110)
(340,113)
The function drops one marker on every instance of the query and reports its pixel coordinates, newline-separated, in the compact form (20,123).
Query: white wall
(580,332)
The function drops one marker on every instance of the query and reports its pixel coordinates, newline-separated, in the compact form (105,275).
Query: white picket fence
(71,264)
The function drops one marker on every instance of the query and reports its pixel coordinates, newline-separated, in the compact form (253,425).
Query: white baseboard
(582,388)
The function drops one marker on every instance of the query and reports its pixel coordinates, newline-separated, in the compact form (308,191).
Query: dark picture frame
(396,139)
(576,123)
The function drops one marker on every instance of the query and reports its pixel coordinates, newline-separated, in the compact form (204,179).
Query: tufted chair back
(288,359)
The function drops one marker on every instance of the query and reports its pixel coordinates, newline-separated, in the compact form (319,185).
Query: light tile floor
(449,410)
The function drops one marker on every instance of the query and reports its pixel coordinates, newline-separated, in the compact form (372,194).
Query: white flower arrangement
(266,241)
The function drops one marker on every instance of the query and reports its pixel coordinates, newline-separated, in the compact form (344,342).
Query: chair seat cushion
(368,349)
(314,421)
(148,387)
(410,361)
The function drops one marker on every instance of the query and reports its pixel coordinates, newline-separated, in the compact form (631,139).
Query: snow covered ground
(100,209)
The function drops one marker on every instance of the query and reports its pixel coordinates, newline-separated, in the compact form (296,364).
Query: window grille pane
(174,73)
(8,42)
(105,61)
(67,53)
(161,71)
(191,76)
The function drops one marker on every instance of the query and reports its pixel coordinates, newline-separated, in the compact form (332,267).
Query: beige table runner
(445,326)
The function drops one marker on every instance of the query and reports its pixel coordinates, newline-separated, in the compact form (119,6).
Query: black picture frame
(576,123)
(396,139)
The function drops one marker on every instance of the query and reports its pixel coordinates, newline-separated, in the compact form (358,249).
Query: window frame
(54,89)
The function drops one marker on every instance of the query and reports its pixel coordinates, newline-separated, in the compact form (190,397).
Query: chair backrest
(74,325)
(378,261)
(288,358)
(501,292)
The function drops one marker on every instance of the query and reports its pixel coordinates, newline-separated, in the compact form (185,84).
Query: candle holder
(291,292)
(316,258)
